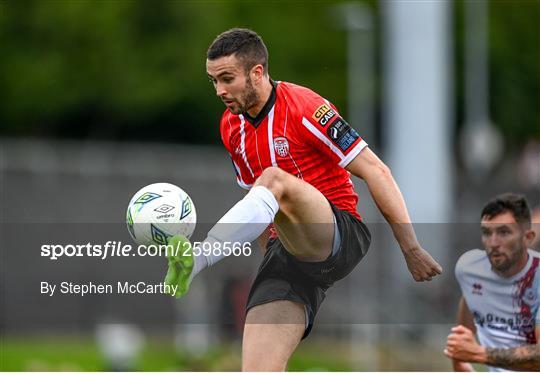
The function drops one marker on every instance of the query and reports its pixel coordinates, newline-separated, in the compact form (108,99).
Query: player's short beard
(510,260)
(249,98)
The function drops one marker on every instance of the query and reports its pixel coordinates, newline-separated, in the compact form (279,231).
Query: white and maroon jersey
(505,310)
(300,132)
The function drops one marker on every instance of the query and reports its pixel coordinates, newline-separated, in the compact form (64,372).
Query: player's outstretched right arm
(387,196)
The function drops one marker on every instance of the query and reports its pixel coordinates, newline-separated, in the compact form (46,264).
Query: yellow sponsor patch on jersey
(323,114)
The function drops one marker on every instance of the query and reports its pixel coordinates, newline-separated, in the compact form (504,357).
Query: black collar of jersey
(266,108)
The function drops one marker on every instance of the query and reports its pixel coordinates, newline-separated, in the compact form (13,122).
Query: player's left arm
(464,347)
(519,358)
(388,198)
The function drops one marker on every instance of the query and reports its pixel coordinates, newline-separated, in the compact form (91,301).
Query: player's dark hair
(244,43)
(514,203)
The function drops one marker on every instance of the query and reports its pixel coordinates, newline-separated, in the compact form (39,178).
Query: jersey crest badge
(281,146)
(529,296)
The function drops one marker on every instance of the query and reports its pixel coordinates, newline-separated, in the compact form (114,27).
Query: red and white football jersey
(300,132)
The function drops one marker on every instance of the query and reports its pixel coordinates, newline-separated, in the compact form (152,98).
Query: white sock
(244,222)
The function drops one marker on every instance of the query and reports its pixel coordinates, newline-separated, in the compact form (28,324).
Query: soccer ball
(158,212)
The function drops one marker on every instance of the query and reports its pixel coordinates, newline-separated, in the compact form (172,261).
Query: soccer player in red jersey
(294,154)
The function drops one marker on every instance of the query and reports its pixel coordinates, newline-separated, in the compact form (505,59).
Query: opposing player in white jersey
(500,288)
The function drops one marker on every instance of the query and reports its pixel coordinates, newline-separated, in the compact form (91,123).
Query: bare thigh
(271,334)
(305,220)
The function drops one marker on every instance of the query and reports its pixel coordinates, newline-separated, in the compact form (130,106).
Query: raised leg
(305,219)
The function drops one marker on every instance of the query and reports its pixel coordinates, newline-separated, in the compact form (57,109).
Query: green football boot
(181,262)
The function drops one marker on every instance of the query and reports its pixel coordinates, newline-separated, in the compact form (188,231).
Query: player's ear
(257,73)
(528,237)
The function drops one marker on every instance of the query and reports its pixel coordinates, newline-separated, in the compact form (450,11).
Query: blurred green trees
(135,69)
(515,67)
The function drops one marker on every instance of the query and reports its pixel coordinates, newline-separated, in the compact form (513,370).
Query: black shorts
(283,277)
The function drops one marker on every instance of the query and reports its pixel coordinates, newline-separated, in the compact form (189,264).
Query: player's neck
(264,94)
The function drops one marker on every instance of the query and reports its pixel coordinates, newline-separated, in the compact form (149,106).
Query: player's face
(232,83)
(505,242)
